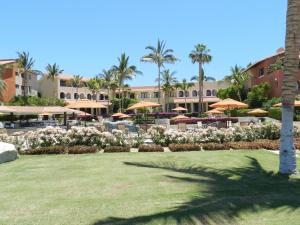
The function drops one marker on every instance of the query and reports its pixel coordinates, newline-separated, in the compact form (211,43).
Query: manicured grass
(221,187)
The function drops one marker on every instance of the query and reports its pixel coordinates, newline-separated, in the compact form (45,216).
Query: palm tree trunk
(158,100)
(25,85)
(119,99)
(200,94)
(291,63)
(108,100)
(185,104)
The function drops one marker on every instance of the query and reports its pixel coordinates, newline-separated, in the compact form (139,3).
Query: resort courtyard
(211,187)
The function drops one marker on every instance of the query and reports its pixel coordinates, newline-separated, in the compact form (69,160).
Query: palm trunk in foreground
(291,63)
(200,89)
(158,100)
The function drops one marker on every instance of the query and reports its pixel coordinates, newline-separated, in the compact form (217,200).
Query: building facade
(15,82)
(264,71)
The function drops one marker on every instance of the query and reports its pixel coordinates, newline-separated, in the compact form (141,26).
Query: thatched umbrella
(229,103)
(179,109)
(118,115)
(296,104)
(214,111)
(180,117)
(257,112)
(143,105)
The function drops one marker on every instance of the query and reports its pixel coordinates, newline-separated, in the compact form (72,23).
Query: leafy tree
(26,63)
(123,72)
(159,55)
(288,164)
(268,104)
(258,95)
(36,101)
(230,92)
(238,79)
(52,72)
(77,83)
(184,85)
(168,85)
(200,55)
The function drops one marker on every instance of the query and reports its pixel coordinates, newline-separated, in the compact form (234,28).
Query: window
(214,92)
(63,83)
(261,72)
(29,89)
(82,96)
(76,96)
(68,96)
(62,95)
(89,96)
(180,94)
(101,97)
(156,94)
(194,93)
(208,92)
(131,95)
(144,95)
(22,88)
(187,94)
(94,97)
(17,86)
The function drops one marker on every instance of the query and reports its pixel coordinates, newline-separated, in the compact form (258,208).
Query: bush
(113,149)
(275,113)
(184,147)
(244,145)
(268,144)
(151,148)
(46,150)
(83,149)
(258,95)
(215,146)
(239,112)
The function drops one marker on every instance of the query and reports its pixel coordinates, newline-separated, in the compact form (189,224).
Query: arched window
(180,94)
(94,97)
(208,92)
(187,94)
(214,92)
(89,96)
(68,96)
(195,93)
(76,96)
(101,97)
(81,96)
(62,95)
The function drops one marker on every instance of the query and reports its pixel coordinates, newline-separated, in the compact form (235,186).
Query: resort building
(268,70)
(15,82)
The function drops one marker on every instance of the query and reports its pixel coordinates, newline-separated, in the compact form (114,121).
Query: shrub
(268,144)
(214,146)
(275,113)
(244,145)
(46,150)
(151,148)
(113,149)
(184,147)
(83,149)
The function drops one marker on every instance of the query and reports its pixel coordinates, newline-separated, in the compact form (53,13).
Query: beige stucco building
(62,88)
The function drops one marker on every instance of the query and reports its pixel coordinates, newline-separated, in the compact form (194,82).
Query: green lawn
(222,187)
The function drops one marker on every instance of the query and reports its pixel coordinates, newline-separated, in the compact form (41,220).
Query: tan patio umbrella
(84,104)
(296,104)
(118,115)
(125,116)
(143,105)
(180,117)
(257,112)
(214,111)
(179,109)
(220,109)
(229,103)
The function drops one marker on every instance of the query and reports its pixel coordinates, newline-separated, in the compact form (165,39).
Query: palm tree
(77,83)
(52,72)
(205,78)
(124,72)
(201,56)
(237,78)
(109,83)
(184,85)
(168,82)
(291,67)
(3,85)
(25,64)
(93,85)
(159,55)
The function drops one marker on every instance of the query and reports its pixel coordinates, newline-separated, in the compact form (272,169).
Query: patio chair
(182,126)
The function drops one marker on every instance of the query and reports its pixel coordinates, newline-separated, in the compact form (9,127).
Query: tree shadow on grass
(229,193)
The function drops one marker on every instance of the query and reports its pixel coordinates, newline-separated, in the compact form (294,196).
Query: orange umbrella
(84,104)
(214,111)
(257,112)
(143,105)
(220,109)
(180,117)
(118,115)
(125,116)
(229,103)
(296,104)
(179,109)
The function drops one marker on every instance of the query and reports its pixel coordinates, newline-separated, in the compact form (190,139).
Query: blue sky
(84,37)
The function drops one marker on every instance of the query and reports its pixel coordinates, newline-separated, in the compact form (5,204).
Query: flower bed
(205,120)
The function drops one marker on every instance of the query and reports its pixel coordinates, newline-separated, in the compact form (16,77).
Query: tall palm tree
(205,77)
(168,85)
(52,72)
(159,55)
(123,71)
(25,64)
(237,78)
(291,67)
(200,55)
(77,83)
(109,82)
(93,85)
(3,85)
(184,85)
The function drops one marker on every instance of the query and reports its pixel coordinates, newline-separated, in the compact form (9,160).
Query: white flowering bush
(158,134)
